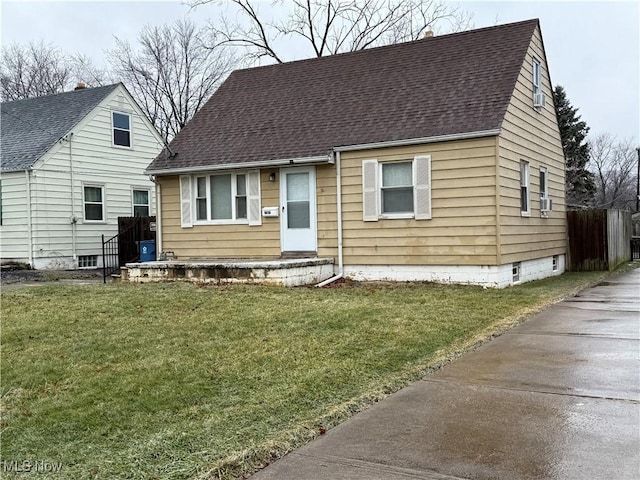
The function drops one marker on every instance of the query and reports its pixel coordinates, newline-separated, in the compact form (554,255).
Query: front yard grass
(180,381)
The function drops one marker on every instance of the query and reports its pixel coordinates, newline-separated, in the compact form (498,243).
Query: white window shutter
(422,187)
(253,198)
(186,202)
(370,201)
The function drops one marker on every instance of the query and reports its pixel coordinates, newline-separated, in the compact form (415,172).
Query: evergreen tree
(580,185)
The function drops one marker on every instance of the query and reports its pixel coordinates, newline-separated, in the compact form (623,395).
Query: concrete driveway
(557,397)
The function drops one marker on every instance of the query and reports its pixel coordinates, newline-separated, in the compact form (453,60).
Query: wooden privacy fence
(598,239)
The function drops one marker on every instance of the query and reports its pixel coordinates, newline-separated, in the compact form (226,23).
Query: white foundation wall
(61,262)
(495,276)
(538,268)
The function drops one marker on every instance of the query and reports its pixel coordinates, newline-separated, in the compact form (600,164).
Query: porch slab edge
(248,264)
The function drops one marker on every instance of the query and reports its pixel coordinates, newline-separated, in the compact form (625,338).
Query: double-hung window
(544,183)
(525,209)
(546,204)
(538,96)
(396,189)
(93,203)
(141,203)
(121,129)
(537,85)
(221,197)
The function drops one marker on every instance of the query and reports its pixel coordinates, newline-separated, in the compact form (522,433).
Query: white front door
(298,231)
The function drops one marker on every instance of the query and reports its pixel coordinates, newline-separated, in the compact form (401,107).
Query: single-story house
(72,163)
(434,160)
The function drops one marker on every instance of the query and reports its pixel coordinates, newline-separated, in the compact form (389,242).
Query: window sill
(221,222)
(122,147)
(525,214)
(395,216)
(94,222)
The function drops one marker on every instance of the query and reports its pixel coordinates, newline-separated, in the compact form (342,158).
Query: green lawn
(180,381)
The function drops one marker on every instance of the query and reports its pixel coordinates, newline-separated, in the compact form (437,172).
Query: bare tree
(32,70)
(38,69)
(84,70)
(334,26)
(613,163)
(172,73)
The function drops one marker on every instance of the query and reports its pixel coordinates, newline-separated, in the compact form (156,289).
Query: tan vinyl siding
(240,240)
(531,135)
(462,230)
(327,211)
(219,241)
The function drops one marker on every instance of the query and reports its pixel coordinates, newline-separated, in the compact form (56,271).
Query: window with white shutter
(221,199)
(399,189)
(186,217)
(422,190)
(370,191)
(255,216)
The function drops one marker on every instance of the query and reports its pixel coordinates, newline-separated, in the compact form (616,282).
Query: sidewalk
(557,397)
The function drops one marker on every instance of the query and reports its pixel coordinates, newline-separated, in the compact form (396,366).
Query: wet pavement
(557,397)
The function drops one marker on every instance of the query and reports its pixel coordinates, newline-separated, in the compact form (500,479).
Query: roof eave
(417,141)
(14,170)
(317,160)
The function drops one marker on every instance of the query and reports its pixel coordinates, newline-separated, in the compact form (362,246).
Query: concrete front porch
(288,272)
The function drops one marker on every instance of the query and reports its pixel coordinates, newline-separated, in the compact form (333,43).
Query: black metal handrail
(119,250)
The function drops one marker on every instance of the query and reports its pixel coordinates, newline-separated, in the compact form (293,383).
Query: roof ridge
(92,89)
(429,88)
(393,45)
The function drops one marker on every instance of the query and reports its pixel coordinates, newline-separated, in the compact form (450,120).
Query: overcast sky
(593,48)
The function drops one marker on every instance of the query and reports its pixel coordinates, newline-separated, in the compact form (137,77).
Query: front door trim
(302,240)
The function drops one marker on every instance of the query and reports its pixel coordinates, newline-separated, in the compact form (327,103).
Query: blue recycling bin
(147,250)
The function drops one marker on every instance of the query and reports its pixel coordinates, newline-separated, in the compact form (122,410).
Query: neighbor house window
(94,203)
(555,263)
(515,272)
(141,203)
(524,189)
(396,190)
(121,129)
(221,197)
(87,261)
(537,85)
(399,189)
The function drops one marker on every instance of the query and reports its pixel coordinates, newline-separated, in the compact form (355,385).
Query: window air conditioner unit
(546,204)
(538,99)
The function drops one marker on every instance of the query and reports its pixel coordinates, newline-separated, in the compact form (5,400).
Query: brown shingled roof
(443,85)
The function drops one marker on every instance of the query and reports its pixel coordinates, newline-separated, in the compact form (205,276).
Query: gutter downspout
(154,179)
(74,219)
(340,273)
(27,176)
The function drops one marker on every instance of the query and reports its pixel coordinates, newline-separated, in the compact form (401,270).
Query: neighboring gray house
(72,163)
